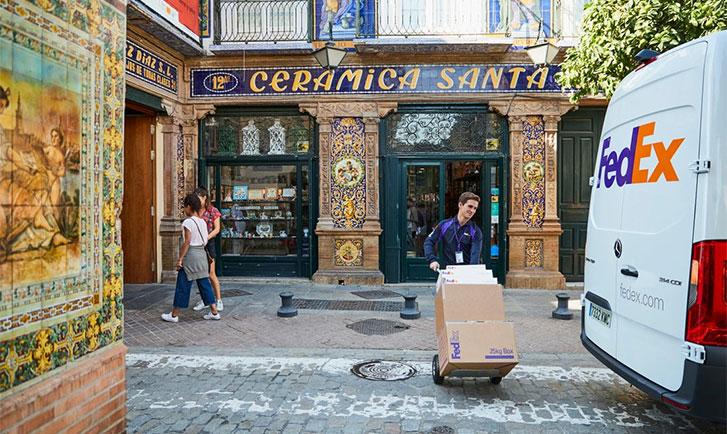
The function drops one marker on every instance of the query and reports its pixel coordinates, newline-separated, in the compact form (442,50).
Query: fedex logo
(625,167)
(454,341)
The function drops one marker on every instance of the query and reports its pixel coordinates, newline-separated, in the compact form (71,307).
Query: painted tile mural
(533,172)
(348,173)
(61,132)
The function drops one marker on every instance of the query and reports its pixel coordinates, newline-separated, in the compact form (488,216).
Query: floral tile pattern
(533,198)
(64,287)
(348,173)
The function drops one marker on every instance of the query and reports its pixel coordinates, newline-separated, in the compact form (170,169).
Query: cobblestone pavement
(253,372)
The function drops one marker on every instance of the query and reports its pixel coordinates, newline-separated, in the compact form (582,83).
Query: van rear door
(604,224)
(657,222)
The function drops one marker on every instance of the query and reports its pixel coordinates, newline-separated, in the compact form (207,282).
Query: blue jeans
(184,286)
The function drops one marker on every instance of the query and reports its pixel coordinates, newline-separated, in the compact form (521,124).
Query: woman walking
(192,264)
(211,217)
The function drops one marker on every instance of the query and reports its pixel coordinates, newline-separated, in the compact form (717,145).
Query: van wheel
(495,380)
(438,379)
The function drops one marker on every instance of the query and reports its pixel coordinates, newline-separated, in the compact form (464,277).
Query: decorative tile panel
(348,173)
(533,172)
(60,247)
(533,253)
(349,252)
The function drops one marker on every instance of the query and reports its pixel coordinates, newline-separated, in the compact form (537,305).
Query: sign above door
(393,79)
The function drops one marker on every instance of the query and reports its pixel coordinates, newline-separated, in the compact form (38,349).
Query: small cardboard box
(468,302)
(466,274)
(487,347)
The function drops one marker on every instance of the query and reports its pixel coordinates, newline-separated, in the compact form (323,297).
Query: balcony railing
(262,21)
(244,21)
(417,18)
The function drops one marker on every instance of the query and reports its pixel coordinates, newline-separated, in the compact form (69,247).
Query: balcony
(256,22)
(387,25)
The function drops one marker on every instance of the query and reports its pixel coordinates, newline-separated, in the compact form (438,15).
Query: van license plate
(600,314)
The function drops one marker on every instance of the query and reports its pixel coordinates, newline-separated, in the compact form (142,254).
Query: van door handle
(628,271)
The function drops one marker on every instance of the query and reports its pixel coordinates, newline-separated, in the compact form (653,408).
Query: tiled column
(348,226)
(179,130)
(534,227)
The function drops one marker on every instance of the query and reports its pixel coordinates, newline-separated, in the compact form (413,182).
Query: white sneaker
(212,316)
(168,317)
(199,306)
(219,305)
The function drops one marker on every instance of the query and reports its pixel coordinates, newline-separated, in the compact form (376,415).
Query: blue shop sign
(401,79)
(150,68)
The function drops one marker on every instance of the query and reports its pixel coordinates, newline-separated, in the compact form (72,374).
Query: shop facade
(361,150)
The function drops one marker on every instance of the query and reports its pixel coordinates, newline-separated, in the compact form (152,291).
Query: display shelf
(259,201)
(260,238)
(274,219)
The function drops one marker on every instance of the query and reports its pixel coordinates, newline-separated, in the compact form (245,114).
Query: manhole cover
(371,295)
(381,327)
(442,430)
(382,370)
(234,292)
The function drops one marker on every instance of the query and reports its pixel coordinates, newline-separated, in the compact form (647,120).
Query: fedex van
(655,289)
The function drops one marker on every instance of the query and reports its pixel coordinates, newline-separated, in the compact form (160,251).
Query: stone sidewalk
(251,321)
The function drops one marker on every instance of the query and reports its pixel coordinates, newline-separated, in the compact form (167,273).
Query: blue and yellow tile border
(100,29)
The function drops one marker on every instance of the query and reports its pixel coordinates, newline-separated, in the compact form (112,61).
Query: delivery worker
(461,239)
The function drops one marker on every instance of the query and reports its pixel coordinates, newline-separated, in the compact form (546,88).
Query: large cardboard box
(486,348)
(468,302)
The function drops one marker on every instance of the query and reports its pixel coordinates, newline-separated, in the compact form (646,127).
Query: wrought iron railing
(404,18)
(262,20)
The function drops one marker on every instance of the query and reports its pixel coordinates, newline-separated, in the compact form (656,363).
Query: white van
(655,290)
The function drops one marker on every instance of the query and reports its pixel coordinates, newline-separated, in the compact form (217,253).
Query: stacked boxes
(472,333)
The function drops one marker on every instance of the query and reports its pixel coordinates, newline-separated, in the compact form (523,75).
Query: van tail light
(707,302)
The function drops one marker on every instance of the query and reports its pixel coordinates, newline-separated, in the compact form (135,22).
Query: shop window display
(258,169)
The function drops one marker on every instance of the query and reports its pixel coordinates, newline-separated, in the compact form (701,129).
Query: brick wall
(89,396)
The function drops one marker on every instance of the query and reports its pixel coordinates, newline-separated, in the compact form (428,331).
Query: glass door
(431,193)
(423,208)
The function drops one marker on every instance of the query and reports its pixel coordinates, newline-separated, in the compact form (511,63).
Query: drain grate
(382,370)
(370,295)
(381,327)
(234,292)
(363,305)
(442,430)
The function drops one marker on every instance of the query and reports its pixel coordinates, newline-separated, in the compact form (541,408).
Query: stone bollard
(287,310)
(562,311)
(410,310)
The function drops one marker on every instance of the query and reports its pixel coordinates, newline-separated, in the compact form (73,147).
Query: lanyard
(456,237)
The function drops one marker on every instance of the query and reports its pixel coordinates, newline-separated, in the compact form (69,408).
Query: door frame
(394,225)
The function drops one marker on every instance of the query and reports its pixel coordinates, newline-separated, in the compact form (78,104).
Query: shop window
(225,136)
(444,132)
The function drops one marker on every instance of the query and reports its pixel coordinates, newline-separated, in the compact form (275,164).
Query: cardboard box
(485,348)
(467,274)
(462,302)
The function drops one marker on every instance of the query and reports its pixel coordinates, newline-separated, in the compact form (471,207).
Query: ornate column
(348,226)
(534,227)
(179,131)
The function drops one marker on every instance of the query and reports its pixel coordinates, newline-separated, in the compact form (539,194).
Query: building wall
(60,255)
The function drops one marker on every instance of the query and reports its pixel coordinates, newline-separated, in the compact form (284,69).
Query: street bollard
(562,311)
(410,310)
(287,310)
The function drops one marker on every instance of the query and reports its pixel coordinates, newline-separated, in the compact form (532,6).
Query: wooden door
(137,219)
(578,136)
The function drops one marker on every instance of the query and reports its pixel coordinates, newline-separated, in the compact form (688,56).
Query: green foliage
(614,31)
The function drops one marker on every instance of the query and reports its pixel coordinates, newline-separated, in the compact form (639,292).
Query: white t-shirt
(198,229)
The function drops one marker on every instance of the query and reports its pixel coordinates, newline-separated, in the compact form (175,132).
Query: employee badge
(459,257)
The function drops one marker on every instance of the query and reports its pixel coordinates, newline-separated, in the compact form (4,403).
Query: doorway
(138,226)
(431,190)
(578,136)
